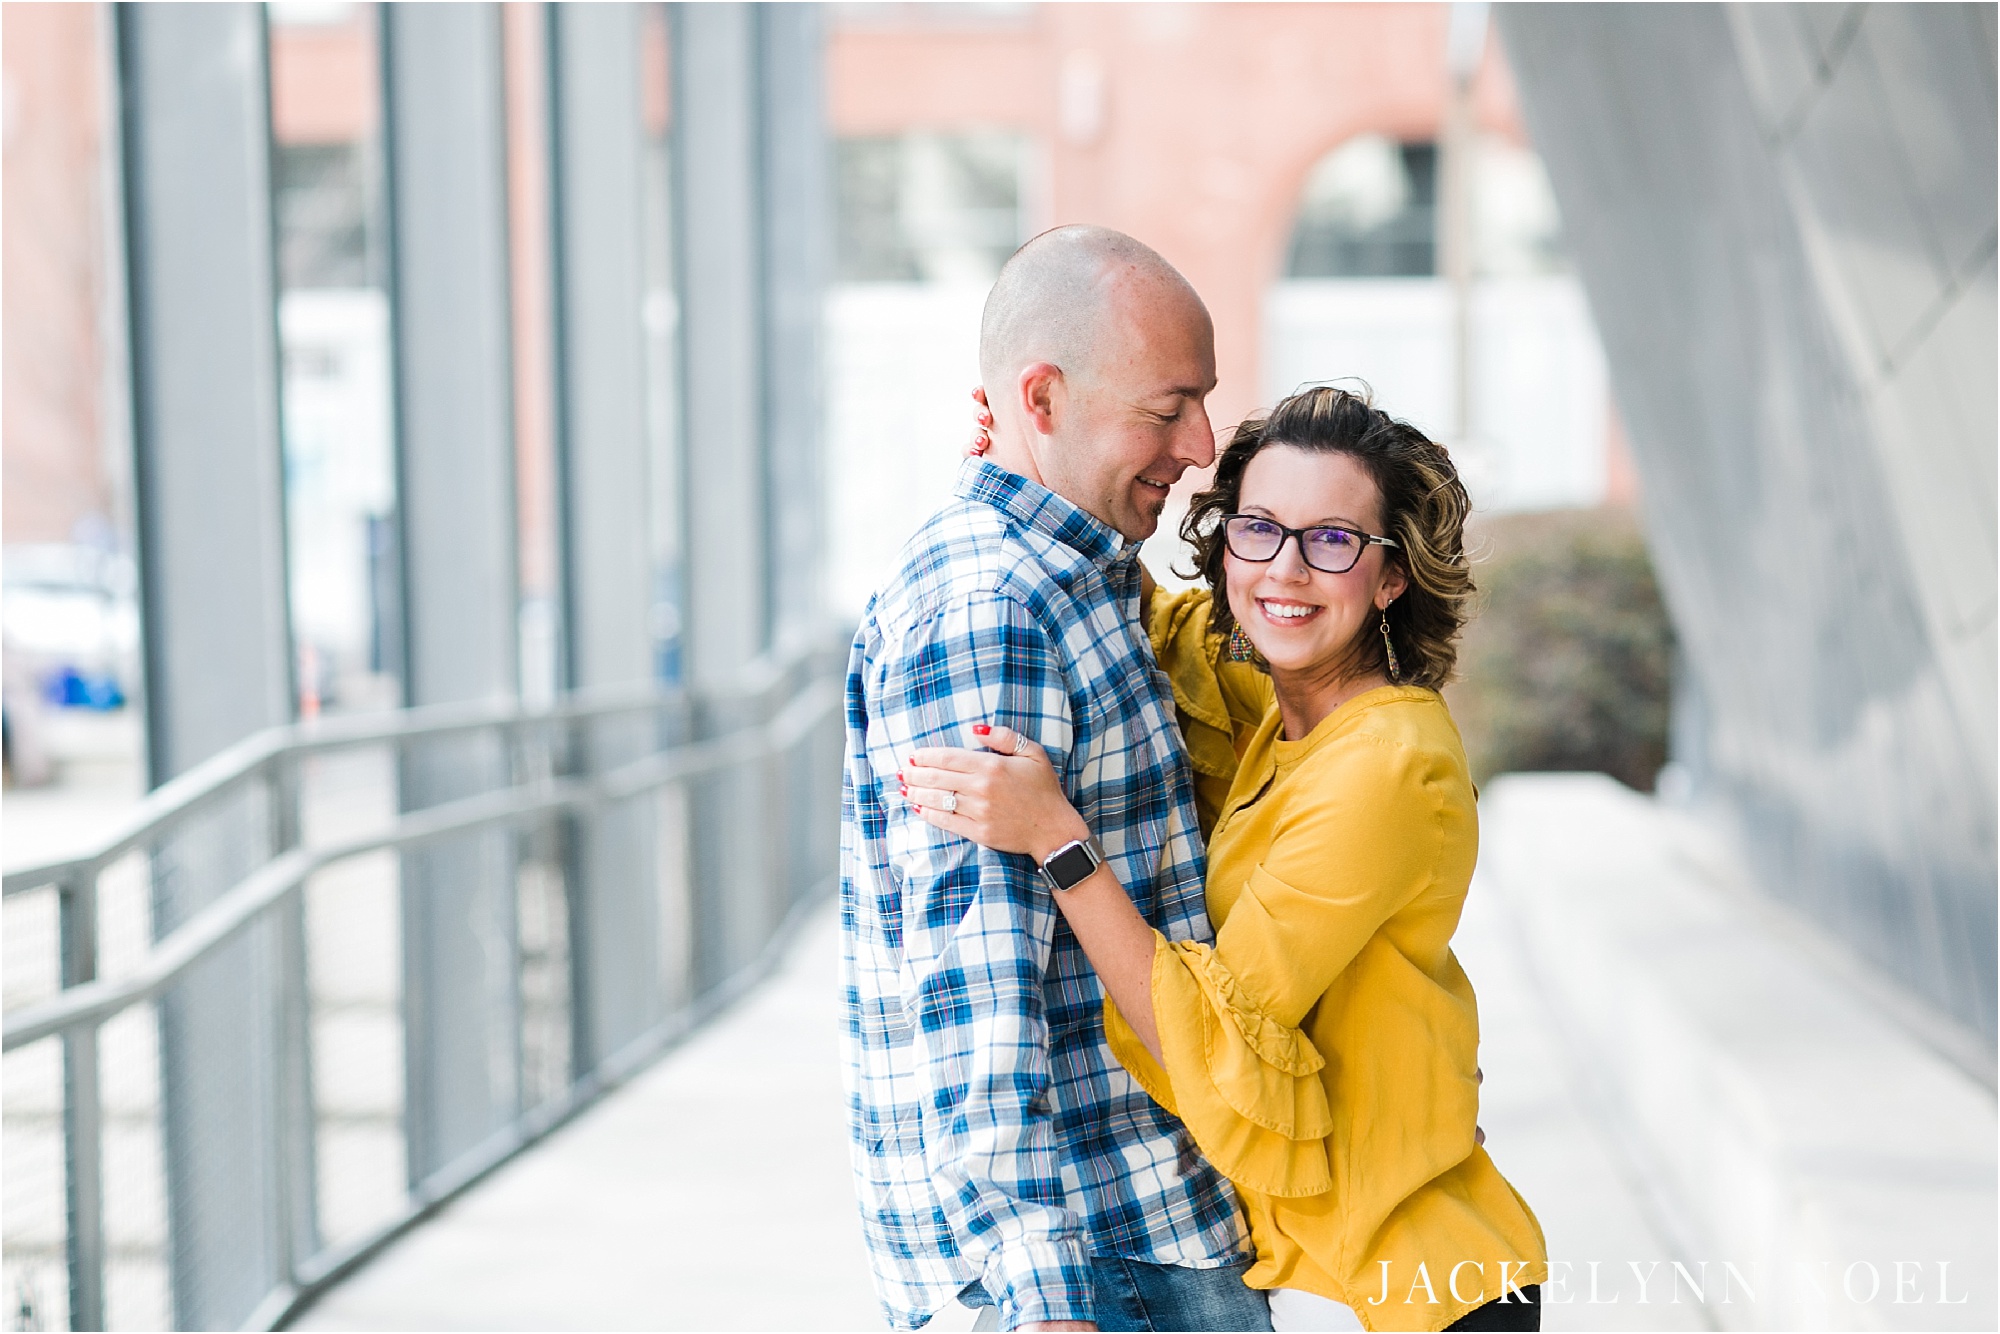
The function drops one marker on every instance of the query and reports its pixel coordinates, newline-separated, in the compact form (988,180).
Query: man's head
(1097,356)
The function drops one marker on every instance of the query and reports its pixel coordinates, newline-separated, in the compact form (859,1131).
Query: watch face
(1071,866)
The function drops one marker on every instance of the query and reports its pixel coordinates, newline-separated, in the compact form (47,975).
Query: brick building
(1286,157)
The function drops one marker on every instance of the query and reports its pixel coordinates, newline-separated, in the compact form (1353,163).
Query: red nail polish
(980,729)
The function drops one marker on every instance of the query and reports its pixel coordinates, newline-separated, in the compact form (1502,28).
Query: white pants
(1293,1309)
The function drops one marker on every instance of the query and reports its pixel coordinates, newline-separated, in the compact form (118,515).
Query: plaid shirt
(995,1137)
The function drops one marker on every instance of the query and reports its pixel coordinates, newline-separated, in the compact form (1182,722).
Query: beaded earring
(1389,646)
(1240,647)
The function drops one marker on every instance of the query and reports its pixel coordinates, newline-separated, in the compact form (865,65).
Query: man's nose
(1196,447)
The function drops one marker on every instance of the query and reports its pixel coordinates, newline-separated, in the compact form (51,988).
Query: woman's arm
(1221,1023)
(1012,801)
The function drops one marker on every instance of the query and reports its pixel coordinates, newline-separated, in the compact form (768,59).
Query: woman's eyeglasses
(1332,549)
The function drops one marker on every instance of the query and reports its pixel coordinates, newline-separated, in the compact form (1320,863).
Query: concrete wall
(1784,217)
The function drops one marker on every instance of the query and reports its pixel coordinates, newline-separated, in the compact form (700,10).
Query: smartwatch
(1072,863)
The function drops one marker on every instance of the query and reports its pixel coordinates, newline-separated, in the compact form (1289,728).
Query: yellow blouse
(1322,1052)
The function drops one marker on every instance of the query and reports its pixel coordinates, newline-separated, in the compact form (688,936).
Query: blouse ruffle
(1247,1087)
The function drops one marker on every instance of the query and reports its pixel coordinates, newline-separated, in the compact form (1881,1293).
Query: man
(1002,1154)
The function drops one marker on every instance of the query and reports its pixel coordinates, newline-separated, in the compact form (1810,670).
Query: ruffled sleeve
(1218,703)
(1247,1086)
(1359,832)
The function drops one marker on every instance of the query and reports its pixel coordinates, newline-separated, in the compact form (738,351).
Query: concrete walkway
(713,1191)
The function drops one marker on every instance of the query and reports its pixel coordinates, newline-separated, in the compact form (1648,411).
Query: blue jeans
(1131,1294)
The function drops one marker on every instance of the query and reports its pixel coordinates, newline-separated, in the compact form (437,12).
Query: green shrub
(1568,663)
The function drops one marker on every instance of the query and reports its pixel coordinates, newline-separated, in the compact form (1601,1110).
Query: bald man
(1002,1155)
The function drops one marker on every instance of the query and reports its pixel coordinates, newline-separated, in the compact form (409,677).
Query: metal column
(748,193)
(798,257)
(196,142)
(597,138)
(447,146)
(798,243)
(718,202)
(718,206)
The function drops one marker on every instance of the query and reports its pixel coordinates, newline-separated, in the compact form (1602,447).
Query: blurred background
(447,448)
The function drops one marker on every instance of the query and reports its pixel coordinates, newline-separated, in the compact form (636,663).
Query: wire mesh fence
(328,979)
(31,1185)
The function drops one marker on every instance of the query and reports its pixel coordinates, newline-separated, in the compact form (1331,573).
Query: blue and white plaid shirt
(996,1138)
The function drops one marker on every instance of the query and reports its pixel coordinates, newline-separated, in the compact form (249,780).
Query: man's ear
(1039,394)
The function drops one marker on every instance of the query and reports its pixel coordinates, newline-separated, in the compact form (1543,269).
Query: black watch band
(1072,864)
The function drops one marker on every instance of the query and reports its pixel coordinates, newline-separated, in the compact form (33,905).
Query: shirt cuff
(1043,1279)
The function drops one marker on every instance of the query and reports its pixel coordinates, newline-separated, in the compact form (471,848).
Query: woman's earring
(1240,647)
(1389,646)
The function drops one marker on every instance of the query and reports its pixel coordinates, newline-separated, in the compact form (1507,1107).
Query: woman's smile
(1283,611)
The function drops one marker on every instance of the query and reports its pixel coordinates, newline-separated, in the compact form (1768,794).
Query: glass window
(660,315)
(326,231)
(929,207)
(1369,211)
(1516,229)
(333,325)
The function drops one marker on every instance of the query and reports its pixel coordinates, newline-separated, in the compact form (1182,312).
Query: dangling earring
(1240,647)
(1389,646)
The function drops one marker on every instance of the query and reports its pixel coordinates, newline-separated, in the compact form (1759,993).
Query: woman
(1323,1052)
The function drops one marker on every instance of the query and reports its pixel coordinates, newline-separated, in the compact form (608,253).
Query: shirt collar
(1035,507)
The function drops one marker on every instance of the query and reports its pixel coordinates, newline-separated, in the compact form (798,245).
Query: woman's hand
(1007,797)
(982,439)
(1013,802)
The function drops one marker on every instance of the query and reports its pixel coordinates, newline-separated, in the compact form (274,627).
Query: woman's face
(1304,620)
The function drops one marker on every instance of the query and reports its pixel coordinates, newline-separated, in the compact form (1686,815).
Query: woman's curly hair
(1424,506)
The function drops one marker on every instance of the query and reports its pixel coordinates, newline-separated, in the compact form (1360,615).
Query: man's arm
(977,935)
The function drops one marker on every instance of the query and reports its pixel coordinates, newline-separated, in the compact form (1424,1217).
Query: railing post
(570,760)
(296,1217)
(520,772)
(83,1138)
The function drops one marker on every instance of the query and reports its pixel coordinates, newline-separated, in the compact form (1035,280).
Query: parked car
(71,622)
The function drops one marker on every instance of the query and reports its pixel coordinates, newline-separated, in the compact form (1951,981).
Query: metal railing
(320,983)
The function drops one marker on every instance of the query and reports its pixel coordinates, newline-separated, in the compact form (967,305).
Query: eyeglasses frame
(1299,535)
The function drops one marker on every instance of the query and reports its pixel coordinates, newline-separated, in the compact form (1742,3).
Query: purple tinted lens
(1254,539)
(1332,549)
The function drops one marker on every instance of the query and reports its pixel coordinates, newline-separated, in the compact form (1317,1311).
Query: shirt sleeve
(977,936)
(1360,841)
